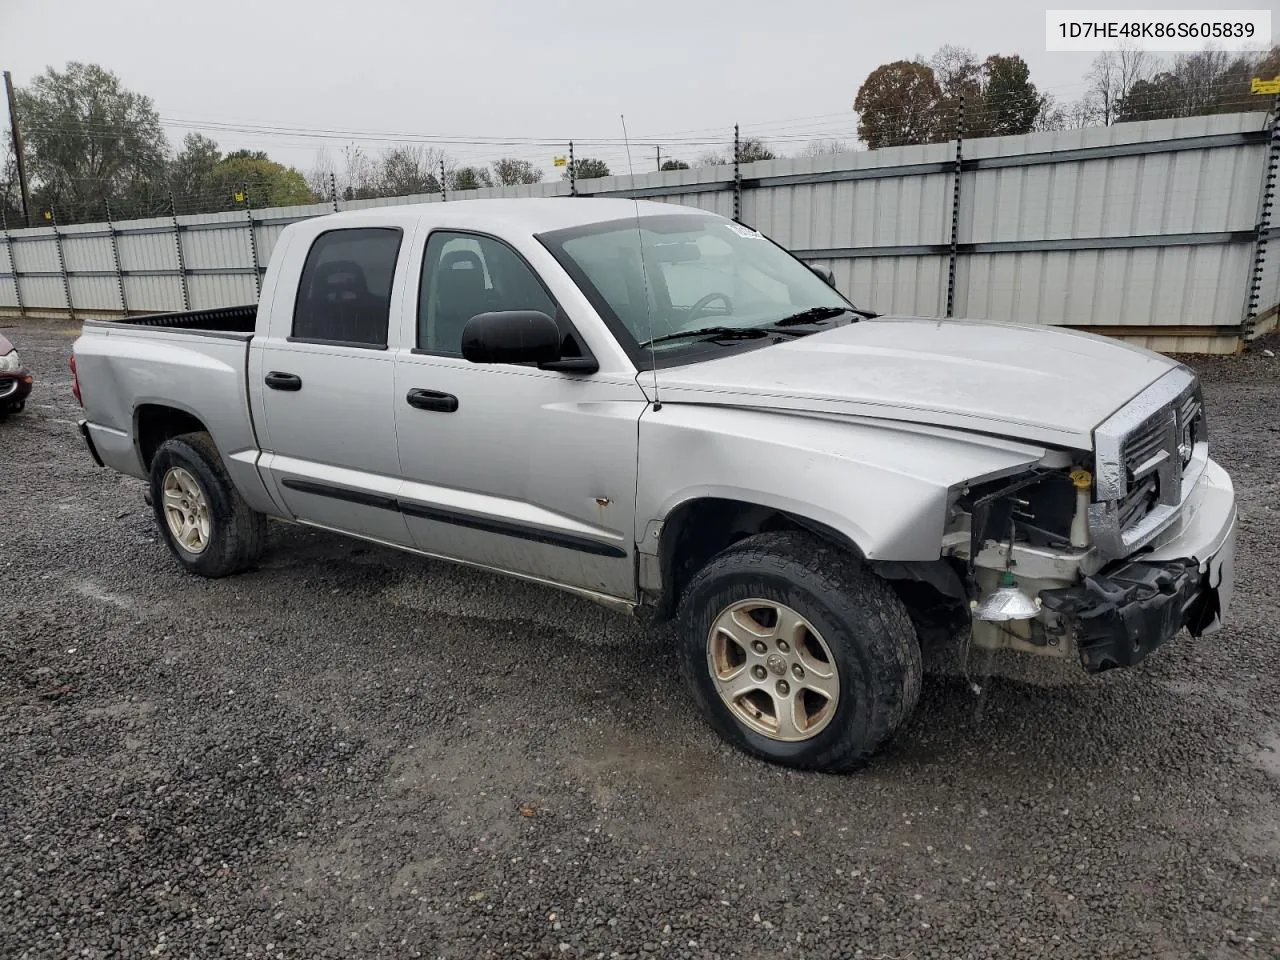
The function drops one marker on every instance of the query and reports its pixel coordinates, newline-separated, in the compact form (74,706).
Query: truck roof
(531,214)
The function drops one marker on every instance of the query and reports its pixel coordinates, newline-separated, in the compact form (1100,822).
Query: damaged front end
(1037,585)
(1119,617)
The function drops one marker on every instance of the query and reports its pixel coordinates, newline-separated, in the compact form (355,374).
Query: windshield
(704,273)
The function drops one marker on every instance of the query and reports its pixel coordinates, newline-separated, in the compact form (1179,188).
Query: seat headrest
(461,270)
(343,274)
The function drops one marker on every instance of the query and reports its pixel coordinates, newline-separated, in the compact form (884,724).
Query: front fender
(884,486)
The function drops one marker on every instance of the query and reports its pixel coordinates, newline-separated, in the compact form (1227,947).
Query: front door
(329,436)
(508,466)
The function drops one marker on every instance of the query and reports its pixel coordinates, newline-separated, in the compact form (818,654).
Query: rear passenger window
(345,292)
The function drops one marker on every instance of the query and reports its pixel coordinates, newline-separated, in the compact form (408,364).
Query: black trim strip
(83,426)
(506,528)
(1036,246)
(671,190)
(1110,243)
(569,541)
(849,253)
(340,493)
(337,343)
(841,176)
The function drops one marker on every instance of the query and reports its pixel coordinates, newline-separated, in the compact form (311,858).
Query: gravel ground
(357,753)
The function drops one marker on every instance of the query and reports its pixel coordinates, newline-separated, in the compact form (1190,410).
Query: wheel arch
(699,527)
(154,423)
(934,591)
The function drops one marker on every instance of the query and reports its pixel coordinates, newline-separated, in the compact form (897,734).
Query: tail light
(75,382)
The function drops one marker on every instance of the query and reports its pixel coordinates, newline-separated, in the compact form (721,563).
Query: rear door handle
(283,381)
(432,400)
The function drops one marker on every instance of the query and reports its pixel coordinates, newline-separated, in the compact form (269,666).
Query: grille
(1145,450)
(1157,453)
(1146,455)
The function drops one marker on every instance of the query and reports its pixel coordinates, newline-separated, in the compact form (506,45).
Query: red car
(15,379)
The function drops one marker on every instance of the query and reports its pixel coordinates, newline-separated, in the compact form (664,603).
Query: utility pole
(17,147)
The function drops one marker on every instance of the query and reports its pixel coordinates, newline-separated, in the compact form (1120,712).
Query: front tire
(205,522)
(795,652)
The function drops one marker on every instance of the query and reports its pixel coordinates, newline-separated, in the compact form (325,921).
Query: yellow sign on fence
(1271,87)
(560,161)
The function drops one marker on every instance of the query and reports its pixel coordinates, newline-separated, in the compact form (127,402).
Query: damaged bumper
(1122,613)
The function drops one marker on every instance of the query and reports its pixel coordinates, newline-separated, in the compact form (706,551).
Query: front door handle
(283,381)
(432,400)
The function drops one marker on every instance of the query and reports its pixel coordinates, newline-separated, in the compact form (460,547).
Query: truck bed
(219,320)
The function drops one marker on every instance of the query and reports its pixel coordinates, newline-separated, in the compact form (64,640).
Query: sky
(376,71)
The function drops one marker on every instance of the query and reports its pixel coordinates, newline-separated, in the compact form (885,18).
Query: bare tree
(1113,75)
(323,175)
(956,69)
(356,180)
(408,170)
(1081,113)
(1195,84)
(822,148)
(1052,116)
(751,149)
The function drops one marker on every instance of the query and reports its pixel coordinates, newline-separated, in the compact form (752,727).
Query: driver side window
(466,274)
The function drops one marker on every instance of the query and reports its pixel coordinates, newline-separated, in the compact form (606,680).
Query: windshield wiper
(714,333)
(812,315)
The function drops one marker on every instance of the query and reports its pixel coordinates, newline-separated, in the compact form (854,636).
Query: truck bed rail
(217,320)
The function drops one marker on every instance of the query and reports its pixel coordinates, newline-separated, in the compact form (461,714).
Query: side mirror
(825,273)
(511,336)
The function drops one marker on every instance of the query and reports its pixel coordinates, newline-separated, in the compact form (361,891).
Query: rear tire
(824,650)
(202,517)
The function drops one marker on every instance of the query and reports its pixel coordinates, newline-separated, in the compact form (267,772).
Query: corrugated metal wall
(1145,229)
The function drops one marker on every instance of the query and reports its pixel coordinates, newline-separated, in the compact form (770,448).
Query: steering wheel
(703,302)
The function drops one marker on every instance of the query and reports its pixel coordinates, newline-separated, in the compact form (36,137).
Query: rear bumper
(1125,611)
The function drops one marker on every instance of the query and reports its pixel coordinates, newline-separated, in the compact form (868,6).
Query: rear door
(326,381)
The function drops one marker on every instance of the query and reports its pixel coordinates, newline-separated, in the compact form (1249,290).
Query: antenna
(626,140)
(644,270)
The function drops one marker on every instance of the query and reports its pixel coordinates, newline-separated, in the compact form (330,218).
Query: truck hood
(1042,384)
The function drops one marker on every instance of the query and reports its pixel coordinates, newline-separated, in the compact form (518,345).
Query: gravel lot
(357,753)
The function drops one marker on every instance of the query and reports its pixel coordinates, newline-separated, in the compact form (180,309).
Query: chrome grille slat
(1137,503)
(1140,446)
(1143,478)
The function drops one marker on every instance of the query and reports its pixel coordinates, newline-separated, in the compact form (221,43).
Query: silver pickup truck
(664,411)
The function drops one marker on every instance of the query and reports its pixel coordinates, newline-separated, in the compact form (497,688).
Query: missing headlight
(1035,508)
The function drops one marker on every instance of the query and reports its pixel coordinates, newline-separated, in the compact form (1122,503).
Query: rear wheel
(201,515)
(796,653)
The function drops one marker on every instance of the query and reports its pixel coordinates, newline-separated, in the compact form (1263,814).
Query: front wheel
(202,517)
(798,654)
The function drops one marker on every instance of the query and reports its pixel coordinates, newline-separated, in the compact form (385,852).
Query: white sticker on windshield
(746,233)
